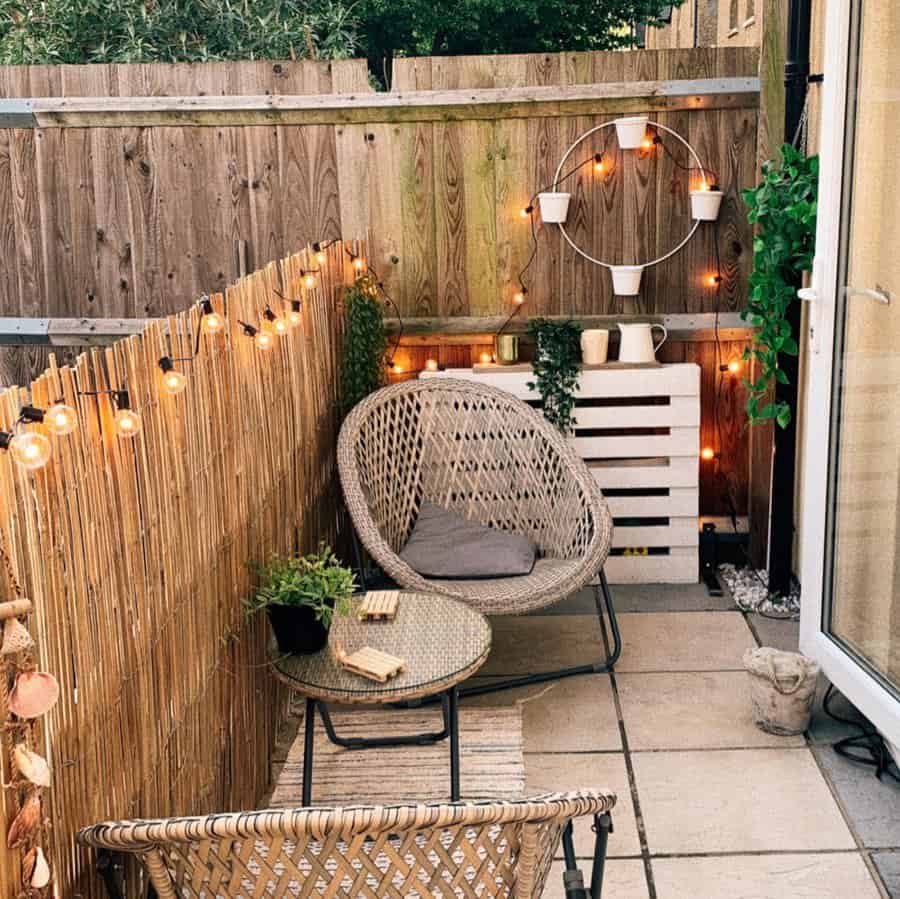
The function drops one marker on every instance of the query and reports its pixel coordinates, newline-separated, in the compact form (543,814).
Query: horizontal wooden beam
(463,330)
(374,107)
(68,331)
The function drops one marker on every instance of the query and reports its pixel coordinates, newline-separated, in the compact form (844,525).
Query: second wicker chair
(490,458)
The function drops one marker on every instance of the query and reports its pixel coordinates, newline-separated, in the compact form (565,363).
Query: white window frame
(866,692)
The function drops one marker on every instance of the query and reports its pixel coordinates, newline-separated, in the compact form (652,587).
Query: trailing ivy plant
(365,343)
(783,207)
(555,366)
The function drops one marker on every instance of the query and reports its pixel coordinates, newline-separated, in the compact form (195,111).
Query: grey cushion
(444,545)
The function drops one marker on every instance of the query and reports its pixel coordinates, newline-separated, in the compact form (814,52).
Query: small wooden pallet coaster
(371,663)
(379,605)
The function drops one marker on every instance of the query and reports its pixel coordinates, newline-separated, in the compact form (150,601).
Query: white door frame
(868,694)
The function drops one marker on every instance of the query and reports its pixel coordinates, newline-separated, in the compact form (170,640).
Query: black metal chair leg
(602,829)
(426,739)
(573,881)
(605,610)
(309,725)
(106,869)
(453,723)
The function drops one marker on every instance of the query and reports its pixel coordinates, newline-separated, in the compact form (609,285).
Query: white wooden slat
(680,566)
(678,532)
(678,442)
(683,411)
(679,471)
(680,502)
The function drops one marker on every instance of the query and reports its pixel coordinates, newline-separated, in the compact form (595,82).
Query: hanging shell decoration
(31,766)
(35,693)
(35,868)
(15,637)
(26,822)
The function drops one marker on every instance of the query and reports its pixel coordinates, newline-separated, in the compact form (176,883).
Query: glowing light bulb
(397,369)
(127,423)
(280,327)
(321,258)
(704,185)
(264,339)
(598,167)
(213,323)
(295,317)
(734,366)
(309,280)
(647,143)
(31,450)
(525,211)
(61,419)
(431,365)
(359,263)
(707,453)
(519,296)
(486,358)
(174,382)
(713,280)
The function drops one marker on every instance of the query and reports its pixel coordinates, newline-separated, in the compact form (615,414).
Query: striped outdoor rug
(491,758)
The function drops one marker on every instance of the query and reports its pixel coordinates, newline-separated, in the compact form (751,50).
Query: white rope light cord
(587,134)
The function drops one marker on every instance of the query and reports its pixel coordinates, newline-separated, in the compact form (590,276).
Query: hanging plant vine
(555,366)
(365,343)
(783,207)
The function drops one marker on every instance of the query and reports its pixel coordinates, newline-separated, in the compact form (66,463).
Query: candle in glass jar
(594,346)
(431,365)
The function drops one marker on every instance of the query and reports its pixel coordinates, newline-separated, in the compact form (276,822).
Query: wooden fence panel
(134,553)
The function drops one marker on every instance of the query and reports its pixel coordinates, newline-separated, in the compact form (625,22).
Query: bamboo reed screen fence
(135,554)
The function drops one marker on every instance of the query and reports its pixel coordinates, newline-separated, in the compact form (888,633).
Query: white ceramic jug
(636,343)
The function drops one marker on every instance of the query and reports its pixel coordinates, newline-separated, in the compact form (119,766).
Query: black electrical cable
(685,168)
(867,748)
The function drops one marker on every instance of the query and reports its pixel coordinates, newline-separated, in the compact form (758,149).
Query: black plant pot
(297,631)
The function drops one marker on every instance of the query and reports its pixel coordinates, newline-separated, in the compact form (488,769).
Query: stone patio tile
(556,772)
(623,879)
(695,710)
(644,598)
(528,644)
(778,632)
(820,876)
(888,865)
(573,715)
(872,805)
(737,800)
(683,641)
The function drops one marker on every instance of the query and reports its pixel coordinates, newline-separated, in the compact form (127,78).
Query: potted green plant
(365,343)
(557,356)
(301,595)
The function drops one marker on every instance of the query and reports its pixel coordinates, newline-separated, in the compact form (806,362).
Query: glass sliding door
(851,522)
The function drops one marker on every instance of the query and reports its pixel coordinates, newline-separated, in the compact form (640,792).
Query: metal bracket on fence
(17,113)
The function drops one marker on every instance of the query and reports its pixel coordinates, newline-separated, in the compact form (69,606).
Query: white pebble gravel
(750,592)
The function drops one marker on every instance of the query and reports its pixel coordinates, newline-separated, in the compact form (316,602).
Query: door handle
(879,294)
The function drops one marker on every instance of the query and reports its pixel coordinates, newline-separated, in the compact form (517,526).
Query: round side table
(441,641)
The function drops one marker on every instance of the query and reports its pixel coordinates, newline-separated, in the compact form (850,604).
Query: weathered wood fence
(134,553)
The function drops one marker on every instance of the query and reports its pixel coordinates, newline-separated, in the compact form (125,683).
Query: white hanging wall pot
(630,131)
(554,206)
(626,279)
(705,205)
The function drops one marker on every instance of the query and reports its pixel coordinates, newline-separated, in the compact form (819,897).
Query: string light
(525,211)
(598,163)
(127,422)
(319,249)
(358,262)
(278,325)
(29,449)
(734,367)
(708,454)
(59,419)
(210,320)
(309,278)
(173,382)
(713,280)
(262,337)
(295,316)
(520,294)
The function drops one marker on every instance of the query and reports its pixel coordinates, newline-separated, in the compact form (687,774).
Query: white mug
(594,346)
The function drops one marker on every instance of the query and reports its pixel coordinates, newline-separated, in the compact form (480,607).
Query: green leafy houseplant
(555,366)
(365,343)
(301,595)
(783,206)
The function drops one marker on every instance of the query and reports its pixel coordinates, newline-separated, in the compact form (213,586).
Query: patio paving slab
(780,633)
(528,644)
(683,641)
(808,876)
(644,598)
(623,879)
(737,800)
(694,710)
(553,772)
(888,865)
(574,715)
(872,805)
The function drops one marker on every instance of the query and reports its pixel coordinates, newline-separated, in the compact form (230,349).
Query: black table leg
(309,725)
(453,721)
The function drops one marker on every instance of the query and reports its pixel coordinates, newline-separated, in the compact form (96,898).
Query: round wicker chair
(490,458)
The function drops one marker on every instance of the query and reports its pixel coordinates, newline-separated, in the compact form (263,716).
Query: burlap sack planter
(782,689)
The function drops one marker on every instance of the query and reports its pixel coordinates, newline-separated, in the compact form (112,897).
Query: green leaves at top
(783,207)
(363,366)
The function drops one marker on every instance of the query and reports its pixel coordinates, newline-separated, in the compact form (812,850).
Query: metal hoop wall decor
(568,153)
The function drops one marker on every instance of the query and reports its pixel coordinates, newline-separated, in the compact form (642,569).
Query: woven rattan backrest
(471,448)
(492,849)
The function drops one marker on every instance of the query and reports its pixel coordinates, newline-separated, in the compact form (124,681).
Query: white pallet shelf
(656,534)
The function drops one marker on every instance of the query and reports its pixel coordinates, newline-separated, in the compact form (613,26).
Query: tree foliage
(84,31)
(783,207)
